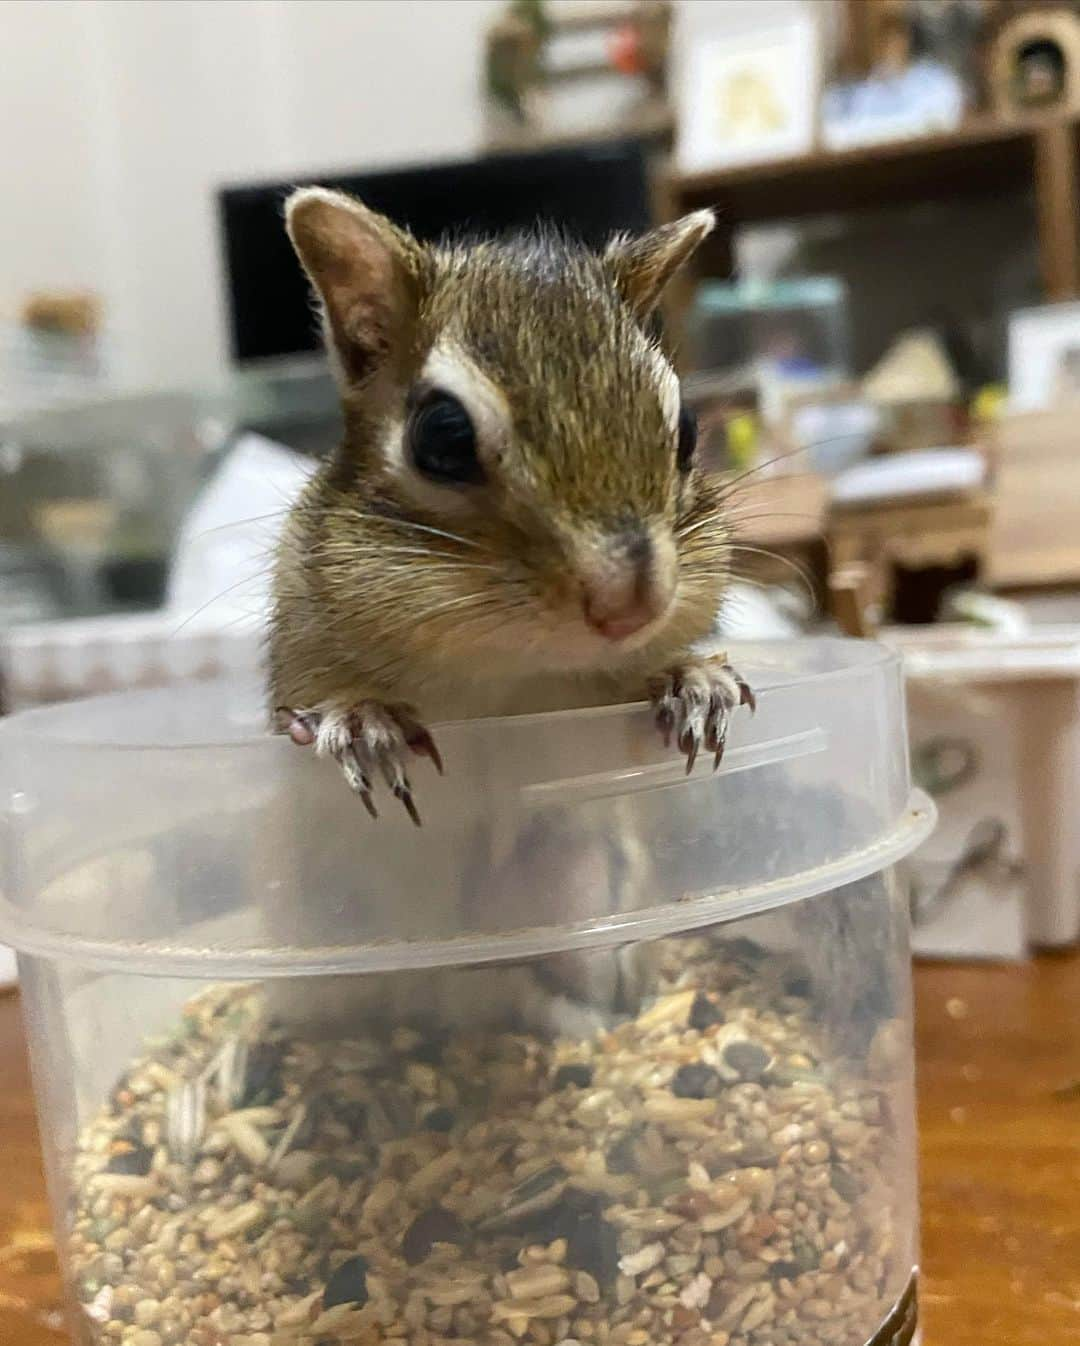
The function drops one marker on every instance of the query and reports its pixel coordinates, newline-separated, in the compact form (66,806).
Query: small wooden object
(848,601)
(1035,538)
(871,29)
(1034,60)
(1057,198)
(74,314)
(917,534)
(521,74)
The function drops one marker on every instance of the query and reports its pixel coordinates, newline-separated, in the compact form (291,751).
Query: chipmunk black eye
(442,441)
(687,439)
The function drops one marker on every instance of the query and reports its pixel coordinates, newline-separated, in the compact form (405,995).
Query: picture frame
(749,97)
(1044,357)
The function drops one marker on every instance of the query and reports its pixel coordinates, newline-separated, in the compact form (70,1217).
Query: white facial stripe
(392,445)
(449,368)
(668,388)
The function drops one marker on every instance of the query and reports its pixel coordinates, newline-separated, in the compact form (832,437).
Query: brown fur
(372,604)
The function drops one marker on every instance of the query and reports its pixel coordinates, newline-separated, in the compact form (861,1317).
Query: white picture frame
(749,97)
(1044,347)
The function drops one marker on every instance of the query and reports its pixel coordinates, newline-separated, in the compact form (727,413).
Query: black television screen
(592,191)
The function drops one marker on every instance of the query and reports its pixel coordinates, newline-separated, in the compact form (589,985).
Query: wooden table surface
(997,1049)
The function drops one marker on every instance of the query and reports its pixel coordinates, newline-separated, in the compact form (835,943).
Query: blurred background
(882,338)
(881,341)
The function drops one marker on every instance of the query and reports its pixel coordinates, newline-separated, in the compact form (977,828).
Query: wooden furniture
(628,38)
(911,533)
(779,524)
(850,603)
(983,157)
(785,510)
(29,1285)
(1034,57)
(998,1053)
(998,1058)
(1026,533)
(1025,530)
(1035,535)
(867,22)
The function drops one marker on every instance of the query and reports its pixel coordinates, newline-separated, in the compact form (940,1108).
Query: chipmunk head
(507,402)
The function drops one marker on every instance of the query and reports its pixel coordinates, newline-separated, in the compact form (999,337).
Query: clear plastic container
(604,1053)
(798,326)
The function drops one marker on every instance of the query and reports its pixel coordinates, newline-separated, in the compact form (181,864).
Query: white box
(1011,706)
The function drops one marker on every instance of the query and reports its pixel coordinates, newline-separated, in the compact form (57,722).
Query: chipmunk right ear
(366,271)
(642,267)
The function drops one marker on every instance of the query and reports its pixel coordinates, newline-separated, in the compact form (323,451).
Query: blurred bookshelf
(981,158)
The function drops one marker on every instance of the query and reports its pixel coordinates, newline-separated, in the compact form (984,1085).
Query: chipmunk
(513,521)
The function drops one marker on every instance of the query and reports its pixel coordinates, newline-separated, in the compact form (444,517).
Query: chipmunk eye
(684,454)
(442,441)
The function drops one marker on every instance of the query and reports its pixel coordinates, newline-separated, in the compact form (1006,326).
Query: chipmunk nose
(618,625)
(621,589)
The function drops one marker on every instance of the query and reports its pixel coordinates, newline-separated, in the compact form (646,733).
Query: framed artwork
(1044,357)
(749,96)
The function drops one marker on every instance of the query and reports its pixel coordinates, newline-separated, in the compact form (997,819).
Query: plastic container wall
(603,1052)
(169,824)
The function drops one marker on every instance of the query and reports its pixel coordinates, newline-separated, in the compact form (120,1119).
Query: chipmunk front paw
(694,701)
(363,739)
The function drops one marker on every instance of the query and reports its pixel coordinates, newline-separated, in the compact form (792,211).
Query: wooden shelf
(984,156)
(927,150)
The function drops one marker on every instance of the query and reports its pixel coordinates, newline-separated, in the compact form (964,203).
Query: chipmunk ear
(367,274)
(642,267)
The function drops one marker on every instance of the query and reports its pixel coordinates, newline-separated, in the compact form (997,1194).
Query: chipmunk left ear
(642,267)
(366,272)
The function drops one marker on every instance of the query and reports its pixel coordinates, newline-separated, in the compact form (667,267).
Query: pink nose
(621,623)
(623,588)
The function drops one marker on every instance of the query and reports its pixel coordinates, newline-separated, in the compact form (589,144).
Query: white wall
(121,117)
(48,230)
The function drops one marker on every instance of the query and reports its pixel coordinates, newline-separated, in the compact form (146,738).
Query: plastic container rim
(871,654)
(682,916)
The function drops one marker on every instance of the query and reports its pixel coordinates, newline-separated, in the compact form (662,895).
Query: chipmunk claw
(746,692)
(356,778)
(405,795)
(694,702)
(368,737)
(421,742)
(664,709)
